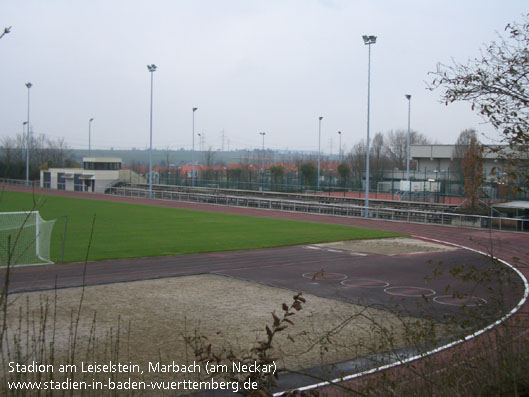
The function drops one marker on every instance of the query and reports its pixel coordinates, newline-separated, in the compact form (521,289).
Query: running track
(511,247)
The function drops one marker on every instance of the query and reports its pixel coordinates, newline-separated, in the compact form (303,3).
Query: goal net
(24,238)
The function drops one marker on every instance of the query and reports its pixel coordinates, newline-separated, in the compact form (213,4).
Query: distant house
(97,174)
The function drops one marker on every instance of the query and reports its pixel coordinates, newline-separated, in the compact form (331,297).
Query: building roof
(446,151)
(102,159)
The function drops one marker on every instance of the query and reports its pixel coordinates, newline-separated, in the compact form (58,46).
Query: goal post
(24,238)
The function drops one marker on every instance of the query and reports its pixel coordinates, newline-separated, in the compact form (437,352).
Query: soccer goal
(24,238)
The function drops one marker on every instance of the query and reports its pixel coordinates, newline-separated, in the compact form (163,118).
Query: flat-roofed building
(432,159)
(97,174)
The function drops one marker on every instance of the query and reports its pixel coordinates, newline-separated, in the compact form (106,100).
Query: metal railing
(18,182)
(306,196)
(393,214)
(311,207)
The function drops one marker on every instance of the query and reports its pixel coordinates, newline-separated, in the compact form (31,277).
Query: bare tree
(43,151)
(48,152)
(461,147)
(11,151)
(57,152)
(472,164)
(357,159)
(11,159)
(6,31)
(209,162)
(463,142)
(497,86)
(397,145)
(377,157)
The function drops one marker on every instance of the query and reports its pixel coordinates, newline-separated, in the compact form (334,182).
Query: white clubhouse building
(97,174)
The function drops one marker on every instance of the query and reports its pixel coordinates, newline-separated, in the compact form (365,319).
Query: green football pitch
(124,230)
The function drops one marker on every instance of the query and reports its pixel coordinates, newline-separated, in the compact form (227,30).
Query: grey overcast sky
(248,65)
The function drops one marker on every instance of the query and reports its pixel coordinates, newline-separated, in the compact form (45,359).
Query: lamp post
(29,85)
(368,40)
(25,140)
(152,69)
(319,150)
(408,97)
(193,151)
(340,147)
(262,172)
(90,137)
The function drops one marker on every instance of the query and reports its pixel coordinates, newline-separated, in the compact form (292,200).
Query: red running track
(509,246)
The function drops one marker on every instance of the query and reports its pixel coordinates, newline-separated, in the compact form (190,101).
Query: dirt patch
(155,315)
(388,246)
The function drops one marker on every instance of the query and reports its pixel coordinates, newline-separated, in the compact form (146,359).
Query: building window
(101,166)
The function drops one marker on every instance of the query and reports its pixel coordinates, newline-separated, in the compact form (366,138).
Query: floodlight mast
(152,69)
(340,148)
(319,149)
(263,161)
(368,40)
(90,137)
(408,97)
(25,141)
(28,85)
(193,151)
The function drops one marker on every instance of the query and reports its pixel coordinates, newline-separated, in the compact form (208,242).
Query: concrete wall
(129,176)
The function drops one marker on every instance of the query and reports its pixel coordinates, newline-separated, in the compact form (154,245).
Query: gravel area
(155,316)
(388,246)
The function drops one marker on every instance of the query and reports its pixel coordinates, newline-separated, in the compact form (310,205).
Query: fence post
(64,237)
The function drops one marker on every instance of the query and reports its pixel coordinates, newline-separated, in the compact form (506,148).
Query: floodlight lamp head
(29,85)
(152,68)
(92,119)
(24,123)
(369,39)
(195,109)
(408,96)
(321,118)
(340,132)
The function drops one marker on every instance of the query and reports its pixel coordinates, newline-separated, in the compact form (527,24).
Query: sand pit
(155,315)
(388,246)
